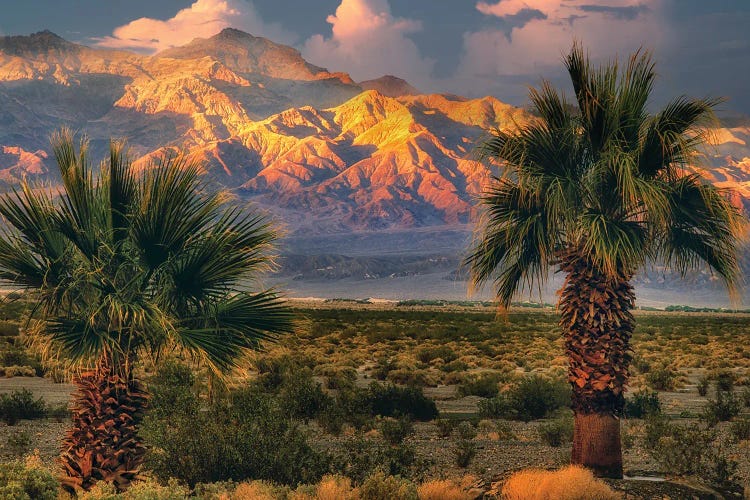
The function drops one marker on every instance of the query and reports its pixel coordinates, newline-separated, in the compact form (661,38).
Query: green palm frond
(124,264)
(233,327)
(606,180)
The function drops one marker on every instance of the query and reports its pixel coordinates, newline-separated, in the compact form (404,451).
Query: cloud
(519,49)
(202,19)
(368,42)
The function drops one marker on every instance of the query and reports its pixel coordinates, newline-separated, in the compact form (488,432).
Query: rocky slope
(325,153)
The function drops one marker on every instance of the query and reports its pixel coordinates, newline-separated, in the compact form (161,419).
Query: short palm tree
(598,189)
(120,266)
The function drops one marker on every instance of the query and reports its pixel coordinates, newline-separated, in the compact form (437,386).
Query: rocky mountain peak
(36,43)
(391,86)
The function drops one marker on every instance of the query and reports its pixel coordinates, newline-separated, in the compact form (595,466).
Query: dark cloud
(625,13)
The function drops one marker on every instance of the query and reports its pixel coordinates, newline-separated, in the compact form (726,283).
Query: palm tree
(599,189)
(122,266)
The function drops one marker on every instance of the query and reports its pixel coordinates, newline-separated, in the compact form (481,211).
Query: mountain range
(327,155)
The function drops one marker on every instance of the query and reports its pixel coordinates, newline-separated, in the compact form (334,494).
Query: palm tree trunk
(597,324)
(103,444)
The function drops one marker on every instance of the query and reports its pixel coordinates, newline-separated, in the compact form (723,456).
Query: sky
(468,47)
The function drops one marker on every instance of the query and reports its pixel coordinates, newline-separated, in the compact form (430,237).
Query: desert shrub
(570,483)
(303,397)
(455,366)
(18,371)
(745,397)
(394,430)
(557,432)
(245,435)
(445,426)
(444,352)
(411,377)
(388,400)
(662,378)
(361,457)
(383,367)
(337,377)
(740,429)
(725,381)
(139,490)
(724,407)
(332,418)
(465,449)
(531,398)
(329,488)
(703,384)
(466,430)
(688,450)
(484,385)
(27,480)
(21,405)
(642,404)
(249,490)
(59,412)
(382,487)
(273,371)
(640,364)
(443,490)
(19,442)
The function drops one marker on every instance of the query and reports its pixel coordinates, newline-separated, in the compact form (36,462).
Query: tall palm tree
(121,266)
(598,188)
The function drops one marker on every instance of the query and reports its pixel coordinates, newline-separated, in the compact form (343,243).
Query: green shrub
(465,449)
(484,385)
(22,481)
(642,404)
(21,405)
(688,450)
(662,378)
(19,442)
(725,381)
(703,384)
(302,397)
(445,427)
(740,429)
(745,397)
(557,432)
(59,412)
(388,400)
(394,430)
(466,431)
(245,435)
(724,407)
(532,398)
(361,457)
(382,487)
(428,354)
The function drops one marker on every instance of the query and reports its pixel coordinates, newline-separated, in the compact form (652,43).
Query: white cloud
(527,47)
(202,19)
(368,42)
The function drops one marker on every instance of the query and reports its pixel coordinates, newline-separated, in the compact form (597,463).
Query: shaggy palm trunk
(597,325)
(103,444)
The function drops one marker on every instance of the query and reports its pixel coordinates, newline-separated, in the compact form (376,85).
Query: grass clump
(570,483)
